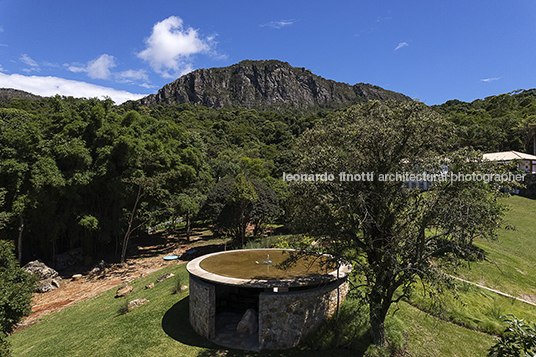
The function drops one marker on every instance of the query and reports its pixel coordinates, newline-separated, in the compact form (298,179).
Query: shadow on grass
(176,325)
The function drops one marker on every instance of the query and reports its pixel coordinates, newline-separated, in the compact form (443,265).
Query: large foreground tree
(393,234)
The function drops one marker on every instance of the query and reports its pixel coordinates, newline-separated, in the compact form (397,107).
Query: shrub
(177,288)
(16,288)
(123,308)
(517,340)
(5,350)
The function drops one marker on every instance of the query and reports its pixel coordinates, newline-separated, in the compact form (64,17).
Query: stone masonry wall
(202,308)
(286,318)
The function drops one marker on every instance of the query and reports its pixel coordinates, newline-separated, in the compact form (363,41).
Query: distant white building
(527,162)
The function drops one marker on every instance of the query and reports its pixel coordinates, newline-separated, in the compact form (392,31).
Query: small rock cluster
(127,289)
(45,274)
(46,286)
(164,277)
(100,267)
(137,302)
(40,269)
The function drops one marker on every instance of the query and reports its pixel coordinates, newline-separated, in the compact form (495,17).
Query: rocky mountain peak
(265,84)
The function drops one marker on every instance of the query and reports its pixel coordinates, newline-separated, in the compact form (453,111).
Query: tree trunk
(379,303)
(19,242)
(129,229)
(242,226)
(188,226)
(377,324)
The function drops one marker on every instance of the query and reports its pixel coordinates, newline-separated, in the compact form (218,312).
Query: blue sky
(430,50)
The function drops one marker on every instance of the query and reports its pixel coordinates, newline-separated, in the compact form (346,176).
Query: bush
(177,288)
(16,288)
(5,351)
(517,340)
(123,308)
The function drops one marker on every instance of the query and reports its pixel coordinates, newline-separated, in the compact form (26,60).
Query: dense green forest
(88,173)
(496,123)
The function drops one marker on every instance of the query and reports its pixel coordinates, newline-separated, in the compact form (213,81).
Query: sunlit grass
(473,307)
(510,260)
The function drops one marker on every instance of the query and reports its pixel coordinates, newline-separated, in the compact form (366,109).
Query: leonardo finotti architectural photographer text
(403,177)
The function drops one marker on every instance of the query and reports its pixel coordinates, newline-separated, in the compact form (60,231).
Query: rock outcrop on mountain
(8,93)
(265,84)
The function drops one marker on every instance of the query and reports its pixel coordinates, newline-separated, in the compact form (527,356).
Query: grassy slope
(513,254)
(161,328)
(429,336)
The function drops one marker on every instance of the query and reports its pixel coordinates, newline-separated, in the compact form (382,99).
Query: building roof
(508,156)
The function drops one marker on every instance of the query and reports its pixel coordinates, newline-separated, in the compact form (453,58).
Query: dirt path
(495,291)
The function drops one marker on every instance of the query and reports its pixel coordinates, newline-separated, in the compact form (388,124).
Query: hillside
(8,93)
(265,84)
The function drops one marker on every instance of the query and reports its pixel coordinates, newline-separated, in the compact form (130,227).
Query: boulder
(55,283)
(44,287)
(164,277)
(150,286)
(40,269)
(123,291)
(100,267)
(77,276)
(248,323)
(137,302)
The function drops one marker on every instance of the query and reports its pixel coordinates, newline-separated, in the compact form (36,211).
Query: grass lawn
(161,328)
(429,336)
(511,267)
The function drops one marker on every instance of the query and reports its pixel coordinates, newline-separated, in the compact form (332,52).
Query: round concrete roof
(267,268)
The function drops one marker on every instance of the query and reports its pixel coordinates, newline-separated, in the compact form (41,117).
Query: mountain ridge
(265,84)
(6,94)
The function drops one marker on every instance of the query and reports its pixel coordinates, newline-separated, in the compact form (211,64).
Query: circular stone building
(288,294)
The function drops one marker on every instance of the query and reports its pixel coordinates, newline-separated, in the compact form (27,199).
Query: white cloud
(138,77)
(99,68)
(132,74)
(490,79)
(278,24)
(170,46)
(49,86)
(401,44)
(76,68)
(30,62)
